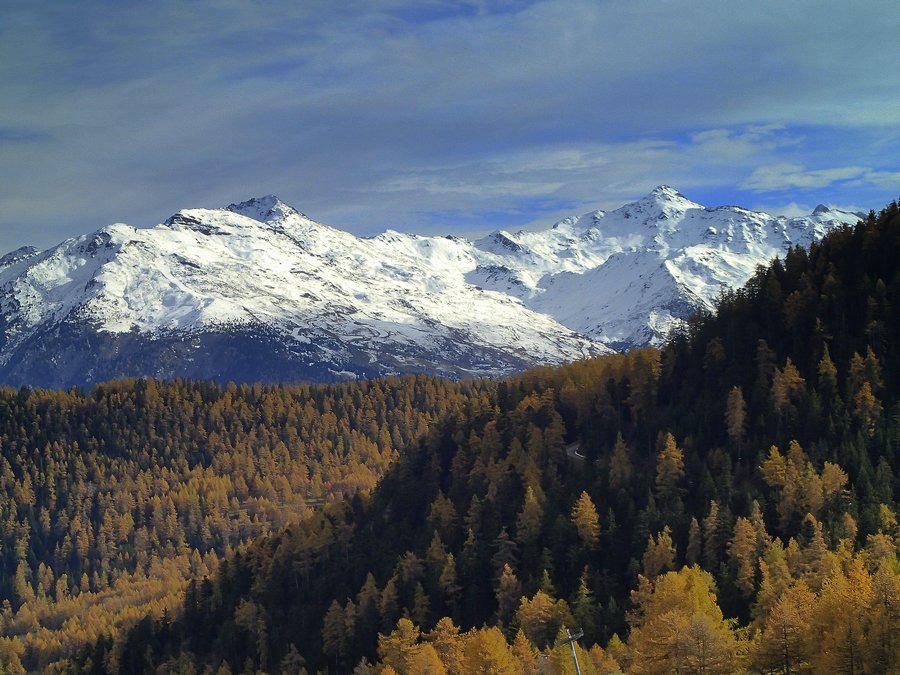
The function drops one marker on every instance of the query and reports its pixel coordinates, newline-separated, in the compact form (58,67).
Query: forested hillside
(725,504)
(110,501)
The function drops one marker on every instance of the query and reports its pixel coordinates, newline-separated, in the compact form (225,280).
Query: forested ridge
(110,500)
(726,504)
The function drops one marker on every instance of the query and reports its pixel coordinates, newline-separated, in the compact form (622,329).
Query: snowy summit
(259,291)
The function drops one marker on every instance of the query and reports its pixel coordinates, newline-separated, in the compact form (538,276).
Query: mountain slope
(290,298)
(627,277)
(258,291)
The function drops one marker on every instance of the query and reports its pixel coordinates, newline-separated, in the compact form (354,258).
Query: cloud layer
(438,116)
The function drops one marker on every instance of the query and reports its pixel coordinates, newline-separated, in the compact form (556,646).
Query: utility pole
(570,639)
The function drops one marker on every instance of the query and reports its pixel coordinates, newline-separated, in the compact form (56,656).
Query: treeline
(110,500)
(726,504)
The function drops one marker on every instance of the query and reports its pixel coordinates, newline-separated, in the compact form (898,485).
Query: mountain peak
(264,209)
(666,191)
(662,202)
(666,194)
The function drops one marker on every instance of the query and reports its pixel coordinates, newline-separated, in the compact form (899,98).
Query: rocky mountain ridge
(259,291)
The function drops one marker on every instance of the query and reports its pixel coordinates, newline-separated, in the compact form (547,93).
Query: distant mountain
(258,291)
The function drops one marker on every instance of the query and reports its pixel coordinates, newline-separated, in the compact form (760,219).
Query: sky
(439,117)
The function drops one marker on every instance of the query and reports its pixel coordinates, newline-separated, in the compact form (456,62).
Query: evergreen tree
(587,522)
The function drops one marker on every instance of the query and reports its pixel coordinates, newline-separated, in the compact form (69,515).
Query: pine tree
(541,617)
(763,540)
(507,592)
(435,556)
(389,606)
(506,553)
(669,470)
(421,609)
(884,637)
(867,409)
(587,522)
(398,647)
(425,661)
(711,537)
(448,643)
(528,522)
(525,653)
(681,628)
(815,553)
(620,467)
(660,554)
(827,372)
(775,579)
(486,651)
(292,663)
(736,417)
(450,589)
(842,618)
(695,543)
(786,641)
(742,550)
(603,662)
(584,608)
(787,387)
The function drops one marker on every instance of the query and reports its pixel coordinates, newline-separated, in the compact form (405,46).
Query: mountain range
(258,291)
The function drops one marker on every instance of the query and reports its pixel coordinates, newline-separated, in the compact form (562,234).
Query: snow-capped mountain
(258,291)
(627,277)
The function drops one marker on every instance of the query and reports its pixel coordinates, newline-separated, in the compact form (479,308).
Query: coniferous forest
(111,500)
(725,504)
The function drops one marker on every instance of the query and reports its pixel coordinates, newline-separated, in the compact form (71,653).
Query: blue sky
(439,117)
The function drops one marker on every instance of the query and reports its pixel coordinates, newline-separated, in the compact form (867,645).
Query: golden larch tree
(660,554)
(486,651)
(679,627)
(587,522)
(786,642)
(842,620)
(742,549)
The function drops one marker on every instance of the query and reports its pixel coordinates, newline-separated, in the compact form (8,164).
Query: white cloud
(738,145)
(787,176)
(375,112)
(592,174)
(886,180)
